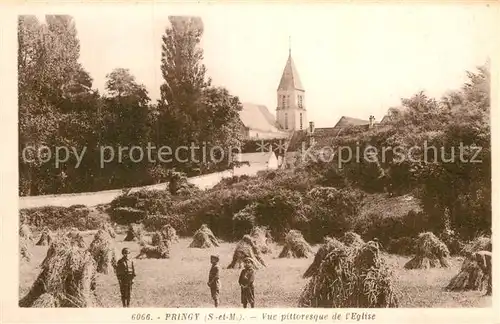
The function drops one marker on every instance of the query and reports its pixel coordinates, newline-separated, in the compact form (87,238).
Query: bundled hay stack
(158,249)
(349,277)
(262,238)
(481,243)
(67,278)
(45,238)
(169,233)
(109,229)
(431,252)
(246,249)
(295,246)
(24,249)
(329,244)
(103,252)
(25,232)
(204,238)
(352,239)
(471,276)
(134,232)
(76,238)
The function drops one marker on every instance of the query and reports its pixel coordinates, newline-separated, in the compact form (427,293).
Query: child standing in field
(213,279)
(246,280)
(125,271)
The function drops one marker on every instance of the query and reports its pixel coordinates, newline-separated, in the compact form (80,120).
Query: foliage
(54,218)
(331,212)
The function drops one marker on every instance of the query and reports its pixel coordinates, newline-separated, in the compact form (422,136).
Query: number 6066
(141,317)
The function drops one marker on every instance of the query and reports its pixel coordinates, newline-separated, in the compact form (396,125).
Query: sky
(353,60)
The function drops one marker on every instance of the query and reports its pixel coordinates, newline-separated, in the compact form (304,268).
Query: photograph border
(9,309)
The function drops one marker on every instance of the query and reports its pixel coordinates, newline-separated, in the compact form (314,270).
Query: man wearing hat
(213,279)
(246,280)
(125,272)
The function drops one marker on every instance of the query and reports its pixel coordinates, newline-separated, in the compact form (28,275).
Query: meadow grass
(181,280)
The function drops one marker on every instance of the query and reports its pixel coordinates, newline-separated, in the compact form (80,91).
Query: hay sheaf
(262,238)
(25,232)
(170,233)
(103,251)
(431,252)
(352,239)
(470,277)
(349,277)
(67,278)
(158,249)
(109,229)
(204,238)
(295,246)
(45,237)
(481,243)
(134,232)
(246,249)
(329,244)
(76,238)
(24,249)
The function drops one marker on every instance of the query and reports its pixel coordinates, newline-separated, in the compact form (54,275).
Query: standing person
(213,279)
(483,259)
(246,280)
(125,271)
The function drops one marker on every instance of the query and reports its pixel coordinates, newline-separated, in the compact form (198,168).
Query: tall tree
(191,110)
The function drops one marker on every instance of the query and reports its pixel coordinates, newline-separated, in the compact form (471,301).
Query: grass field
(181,280)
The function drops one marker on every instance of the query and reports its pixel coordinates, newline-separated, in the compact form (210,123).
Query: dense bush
(281,210)
(56,218)
(331,212)
(385,228)
(135,207)
(403,246)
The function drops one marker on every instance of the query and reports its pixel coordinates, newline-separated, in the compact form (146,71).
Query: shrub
(402,246)
(376,225)
(55,217)
(156,222)
(281,210)
(331,212)
(135,207)
(244,220)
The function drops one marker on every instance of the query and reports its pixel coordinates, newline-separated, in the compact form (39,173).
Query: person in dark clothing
(125,272)
(213,279)
(246,280)
(483,259)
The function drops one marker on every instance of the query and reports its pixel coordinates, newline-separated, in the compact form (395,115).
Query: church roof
(290,79)
(258,117)
(350,121)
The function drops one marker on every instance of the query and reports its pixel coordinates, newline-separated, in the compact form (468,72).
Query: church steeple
(290,79)
(290,111)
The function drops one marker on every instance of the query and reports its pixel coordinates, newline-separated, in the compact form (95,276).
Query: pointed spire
(289,45)
(290,79)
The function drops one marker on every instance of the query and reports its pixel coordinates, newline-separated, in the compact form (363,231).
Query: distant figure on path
(483,259)
(213,279)
(246,280)
(125,271)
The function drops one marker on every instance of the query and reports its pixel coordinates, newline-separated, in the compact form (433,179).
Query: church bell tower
(291,111)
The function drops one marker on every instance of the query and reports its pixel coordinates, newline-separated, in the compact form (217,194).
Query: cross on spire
(290,45)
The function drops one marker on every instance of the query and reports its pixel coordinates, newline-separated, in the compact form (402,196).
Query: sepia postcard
(249,162)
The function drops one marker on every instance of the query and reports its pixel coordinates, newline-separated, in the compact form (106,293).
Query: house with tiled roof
(322,138)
